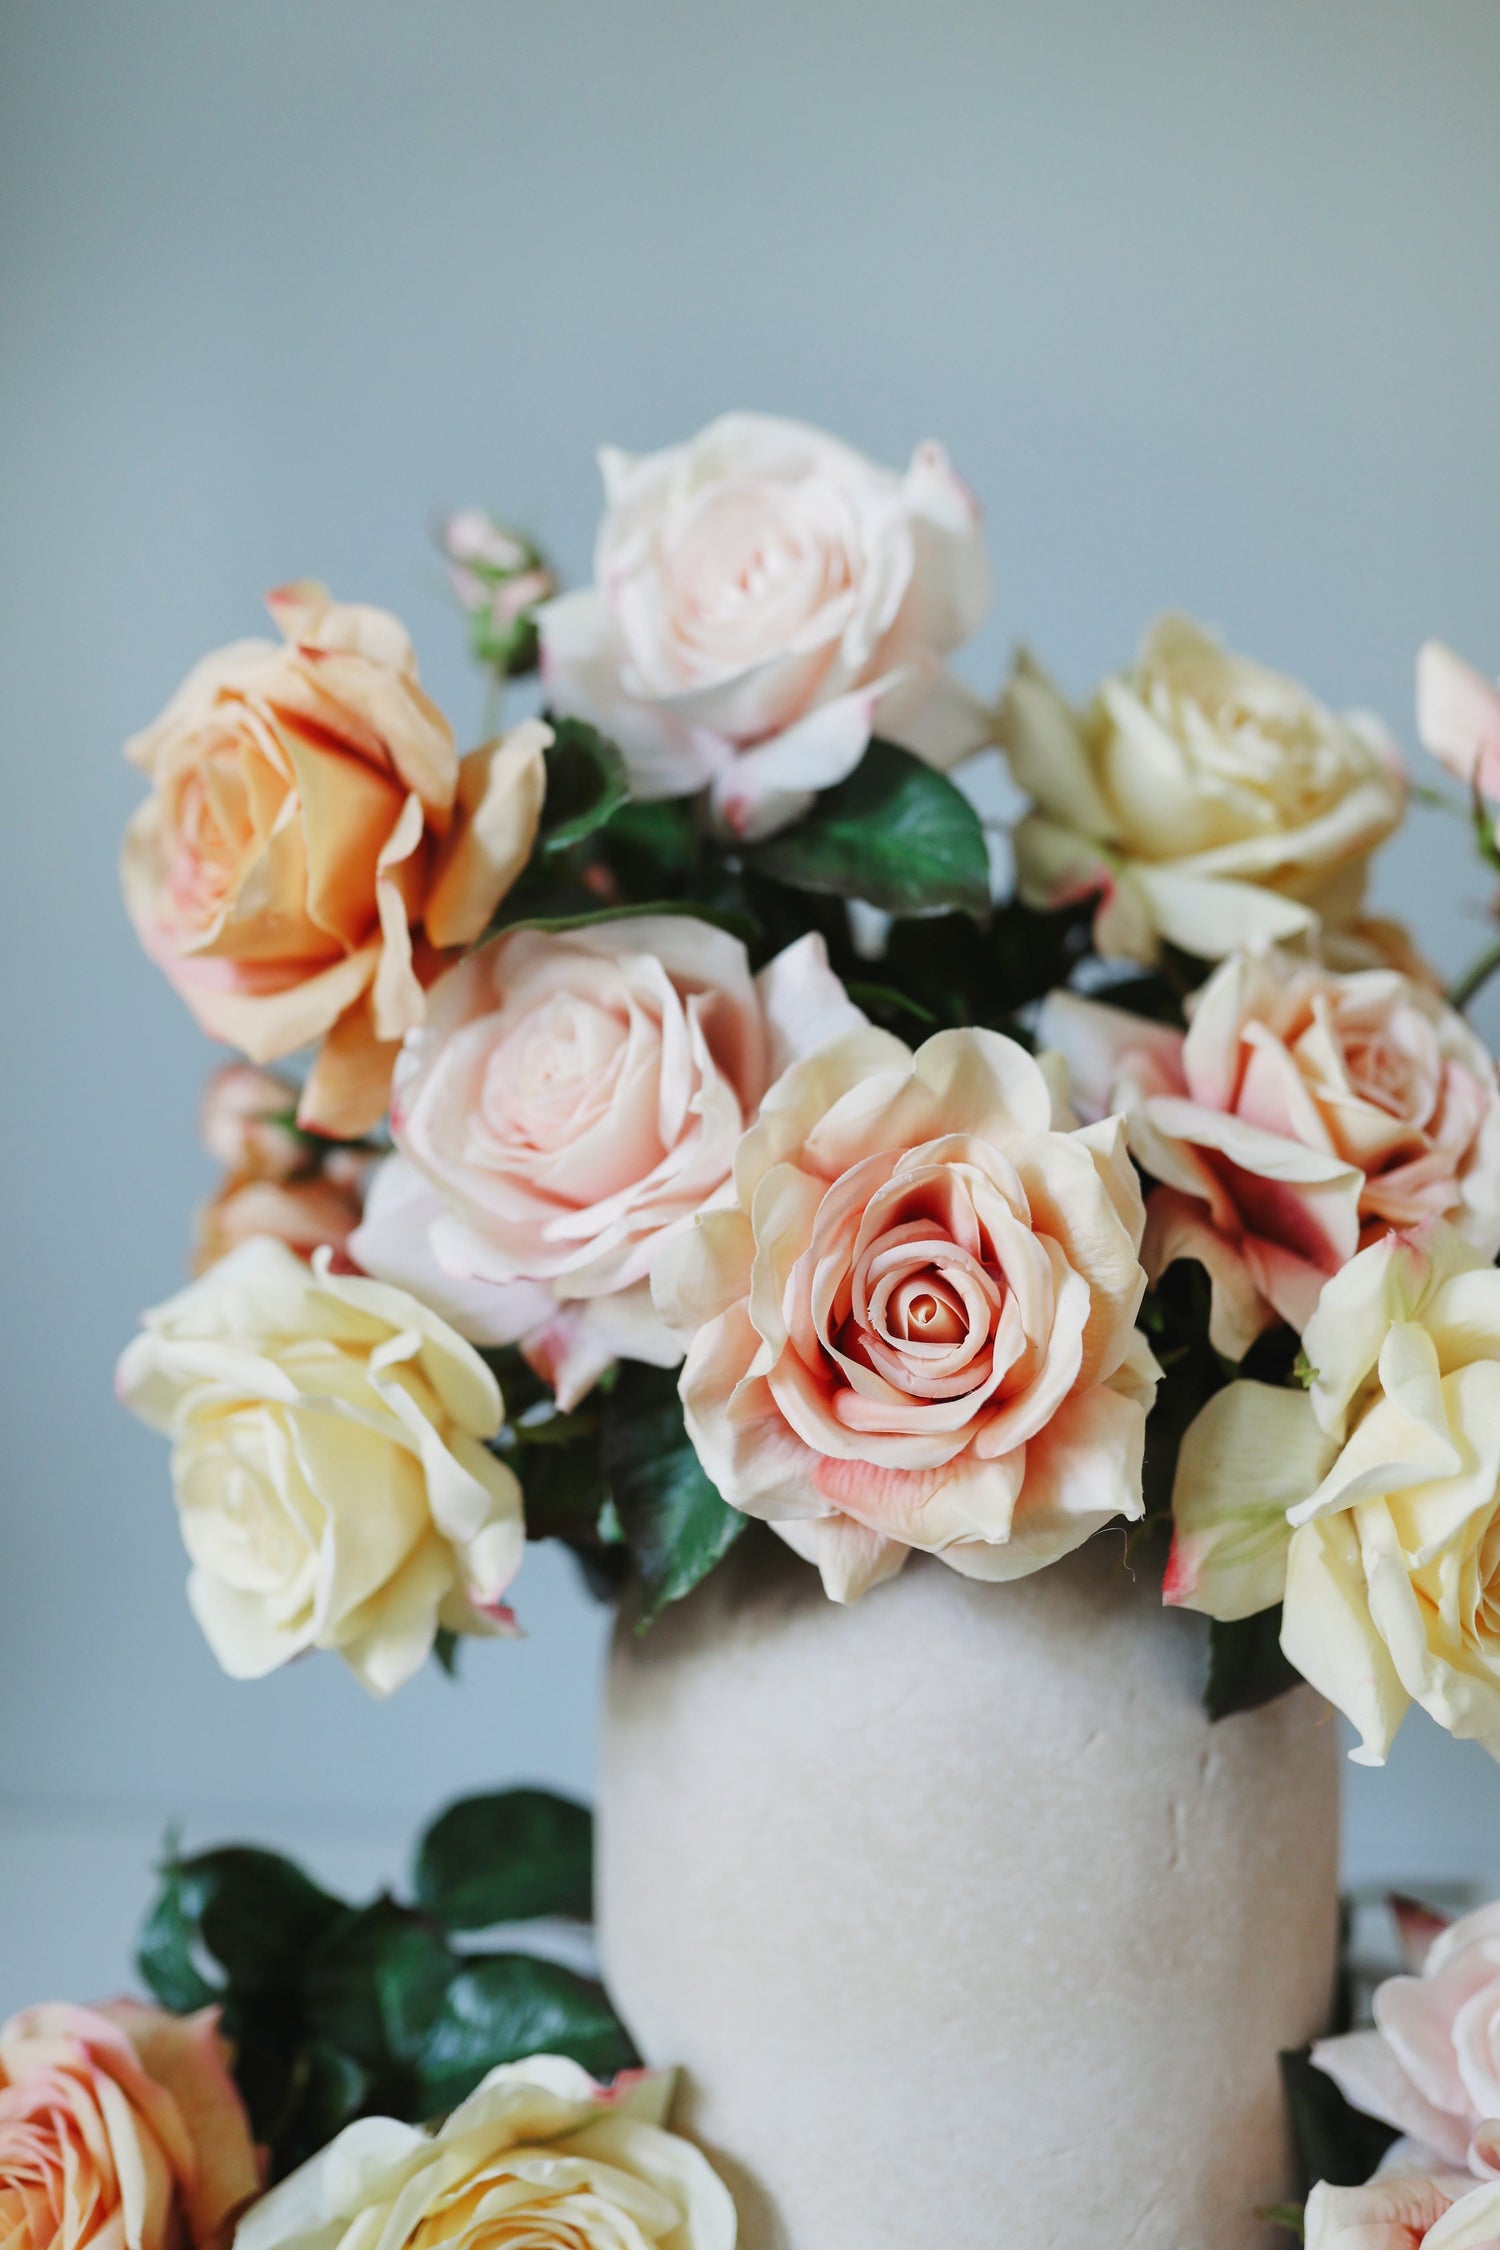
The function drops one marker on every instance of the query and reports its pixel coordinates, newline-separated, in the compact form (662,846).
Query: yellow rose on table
(537,2158)
(1201,798)
(1368,1505)
(333,1482)
(120,2129)
(313,847)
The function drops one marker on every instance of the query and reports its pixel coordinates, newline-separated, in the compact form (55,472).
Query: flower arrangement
(709,1125)
(697,1130)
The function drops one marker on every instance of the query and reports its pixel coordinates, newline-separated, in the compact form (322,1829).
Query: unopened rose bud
(304,1214)
(500,578)
(245,1121)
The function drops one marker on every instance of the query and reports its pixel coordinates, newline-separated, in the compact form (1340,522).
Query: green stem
(1476,976)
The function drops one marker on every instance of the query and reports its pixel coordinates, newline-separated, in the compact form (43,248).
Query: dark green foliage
(895,833)
(336,2011)
(674,1522)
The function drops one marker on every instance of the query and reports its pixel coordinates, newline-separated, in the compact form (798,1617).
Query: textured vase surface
(968,1929)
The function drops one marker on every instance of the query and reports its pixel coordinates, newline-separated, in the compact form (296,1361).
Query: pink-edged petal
(849,1557)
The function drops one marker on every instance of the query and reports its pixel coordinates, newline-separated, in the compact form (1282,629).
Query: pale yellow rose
(915,1325)
(1200,797)
(1370,1504)
(332,1478)
(537,2158)
(313,846)
(120,2129)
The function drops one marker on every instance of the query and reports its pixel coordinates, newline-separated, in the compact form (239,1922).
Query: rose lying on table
(119,2126)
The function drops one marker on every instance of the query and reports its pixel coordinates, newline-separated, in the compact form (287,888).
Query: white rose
(765,600)
(1203,799)
(537,2158)
(331,1474)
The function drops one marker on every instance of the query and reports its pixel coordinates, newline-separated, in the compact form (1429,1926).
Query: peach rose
(915,1325)
(1431,2066)
(1303,1114)
(330,1463)
(306,1214)
(571,1103)
(1203,799)
(246,1122)
(120,2127)
(537,2158)
(766,599)
(1458,718)
(312,842)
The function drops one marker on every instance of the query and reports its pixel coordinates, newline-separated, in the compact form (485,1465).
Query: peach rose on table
(312,845)
(765,600)
(1430,2067)
(573,1101)
(333,1479)
(121,2128)
(538,2158)
(1369,1505)
(1203,799)
(914,1327)
(1302,1114)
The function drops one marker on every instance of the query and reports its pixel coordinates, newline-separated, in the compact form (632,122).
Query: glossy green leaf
(252,1912)
(374,1983)
(896,833)
(586,782)
(509,1857)
(675,1523)
(502,2007)
(1246,1666)
(1334,2141)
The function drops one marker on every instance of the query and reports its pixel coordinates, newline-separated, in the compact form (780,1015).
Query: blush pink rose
(1458,718)
(121,2128)
(1302,1115)
(312,845)
(1431,2065)
(765,599)
(574,1100)
(914,1327)
(1402,2210)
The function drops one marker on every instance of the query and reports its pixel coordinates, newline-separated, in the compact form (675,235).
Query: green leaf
(507,1858)
(1246,1666)
(896,833)
(502,2007)
(674,1521)
(1334,2142)
(375,1982)
(445,1648)
(586,783)
(324,2090)
(253,1912)
(1287,2216)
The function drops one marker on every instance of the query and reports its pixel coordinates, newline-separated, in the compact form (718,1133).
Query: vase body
(967,1928)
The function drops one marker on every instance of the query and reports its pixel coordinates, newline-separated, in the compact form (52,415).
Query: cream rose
(120,2127)
(1458,718)
(1370,1505)
(312,844)
(765,599)
(915,1326)
(537,2158)
(1303,1114)
(1205,800)
(1431,2065)
(331,1474)
(572,1102)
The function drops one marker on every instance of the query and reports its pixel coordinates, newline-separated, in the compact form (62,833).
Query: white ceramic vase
(968,1930)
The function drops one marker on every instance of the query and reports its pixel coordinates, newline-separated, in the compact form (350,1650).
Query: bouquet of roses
(707,1117)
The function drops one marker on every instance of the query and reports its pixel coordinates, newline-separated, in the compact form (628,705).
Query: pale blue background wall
(1205,300)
